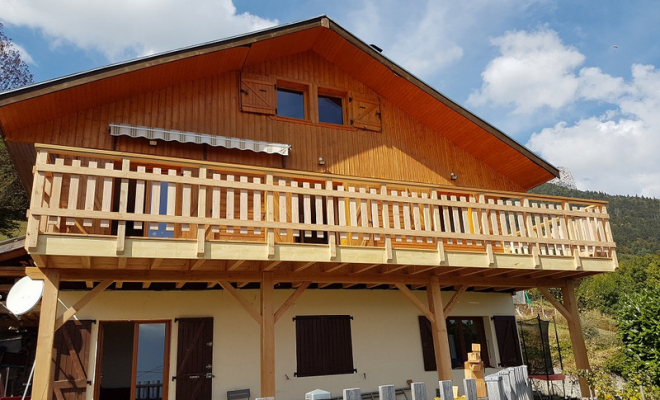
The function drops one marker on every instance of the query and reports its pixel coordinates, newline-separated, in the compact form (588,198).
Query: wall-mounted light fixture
(453,176)
(321,161)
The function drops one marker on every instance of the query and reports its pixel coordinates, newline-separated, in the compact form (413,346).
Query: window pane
(331,110)
(471,333)
(290,103)
(453,334)
(117,360)
(150,361)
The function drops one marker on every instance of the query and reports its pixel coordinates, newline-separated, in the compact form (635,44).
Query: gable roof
(43,101)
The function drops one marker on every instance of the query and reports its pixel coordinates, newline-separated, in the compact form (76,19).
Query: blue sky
(543,71)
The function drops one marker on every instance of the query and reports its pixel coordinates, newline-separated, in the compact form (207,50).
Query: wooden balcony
(135,217)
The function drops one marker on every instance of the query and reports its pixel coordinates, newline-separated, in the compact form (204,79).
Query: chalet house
(280,211)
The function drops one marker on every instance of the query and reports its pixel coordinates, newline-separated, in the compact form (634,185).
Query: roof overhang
(321,35)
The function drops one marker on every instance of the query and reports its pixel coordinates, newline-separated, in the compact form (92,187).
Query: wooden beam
(291,300)
(119,284)
(413,299)
(146,285)
(336,267)
(43,371)
(393,268)
(439,330)
(155,263)
(272,265)
(360,269)
(235,265)
(267,336)
(453,300)
(121,262)
(577,338)
(179,285)
(73,310)
(86,262)
(304,266)
(556,304)
(254,313)
(198,263)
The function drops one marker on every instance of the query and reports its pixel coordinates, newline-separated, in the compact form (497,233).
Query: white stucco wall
(385,331)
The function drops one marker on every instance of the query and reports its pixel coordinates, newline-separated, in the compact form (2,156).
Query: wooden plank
(465,220)
(577,337)
(417,218)
(364,214)
(201,213)
(74,187)
(229,205)
(556,304)
(406,214)
(386,226)
(90,193)
(318,205)
(73,310)
(341,211)
(426,213)
(186,200)
(56,192)
(171,200)
(106,202)
(307,209)
(439,330)
(140,195)
(295,209)
(374,213)
(453,300)
(243,205)
(330,209)
(270,217)
(256,205)
(154,207)
(456,218)
(353,214)
(291,300)
(123,208)
(396,216)
(36,199)
(215,203)
(252,312)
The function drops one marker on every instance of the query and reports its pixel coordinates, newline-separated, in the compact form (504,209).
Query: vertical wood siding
(404,150)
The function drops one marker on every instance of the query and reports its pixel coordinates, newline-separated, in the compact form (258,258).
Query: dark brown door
(194,371)
(71,344)
(507,341)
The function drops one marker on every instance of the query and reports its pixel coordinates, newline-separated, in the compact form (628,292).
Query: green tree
(13,200)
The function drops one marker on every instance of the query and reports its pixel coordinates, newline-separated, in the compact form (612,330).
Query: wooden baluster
(123,207)
(548,228)
(374,213)
(36,201)
(590,223)
(216,200)
(330,209)
(564,229)
(417,221)
(428,223)
(465,220)
(440,245)
(538,224)
(270,217)
(446,210)
(256,205)
(201,213)
(386,225)
(295,210)
(186,201)
(243,207)
(74,186)
(396,216)
(90,193)
(229,211)
(140,189)
(341,210)
(171,200)
(531,232)
(353,212)
(406,214)
(106,203)
(486,231)
(307,210)
(56,193)
(494,222)
(609,238)
(475,227)
(456,219)
(522,231)
(364,214)
(508,245)
(318,205)
(282,207)
(155,198)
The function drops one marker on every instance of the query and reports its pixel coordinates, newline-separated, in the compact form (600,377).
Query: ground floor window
(133,360)
(461,333)
(324,345)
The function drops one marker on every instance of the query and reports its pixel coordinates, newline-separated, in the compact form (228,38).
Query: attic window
(331,110)
(290,103)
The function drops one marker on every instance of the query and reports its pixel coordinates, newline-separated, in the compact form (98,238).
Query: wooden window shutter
(365,113)
(507,340)
(258,94)
(71,345)
(428,349)
(194,362)
(324,345)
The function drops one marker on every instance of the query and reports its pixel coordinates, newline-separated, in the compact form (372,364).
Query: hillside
(635,220)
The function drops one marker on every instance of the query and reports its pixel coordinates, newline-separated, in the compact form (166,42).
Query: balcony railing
(109,194)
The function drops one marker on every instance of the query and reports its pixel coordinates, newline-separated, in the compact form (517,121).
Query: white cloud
(124,29)
(616,152)
(535,70)
(25,56)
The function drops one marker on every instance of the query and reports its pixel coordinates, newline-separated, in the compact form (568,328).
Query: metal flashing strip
(199,138)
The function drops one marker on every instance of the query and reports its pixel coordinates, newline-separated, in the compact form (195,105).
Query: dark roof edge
(402,72)
(24,93)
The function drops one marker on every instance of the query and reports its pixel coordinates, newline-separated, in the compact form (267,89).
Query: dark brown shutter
(71,344)
(258,94)
(365,113)
(324,345)
(507,341)
(428,349)
(194,371)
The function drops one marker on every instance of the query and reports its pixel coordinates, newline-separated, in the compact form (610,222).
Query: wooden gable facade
(130,184)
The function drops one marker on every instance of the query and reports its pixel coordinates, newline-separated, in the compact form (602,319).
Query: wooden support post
(267,336)
(577,339)
(41,387)
(68,314)
(439,330)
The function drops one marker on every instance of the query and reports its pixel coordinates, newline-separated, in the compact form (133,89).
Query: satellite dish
(24,295)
